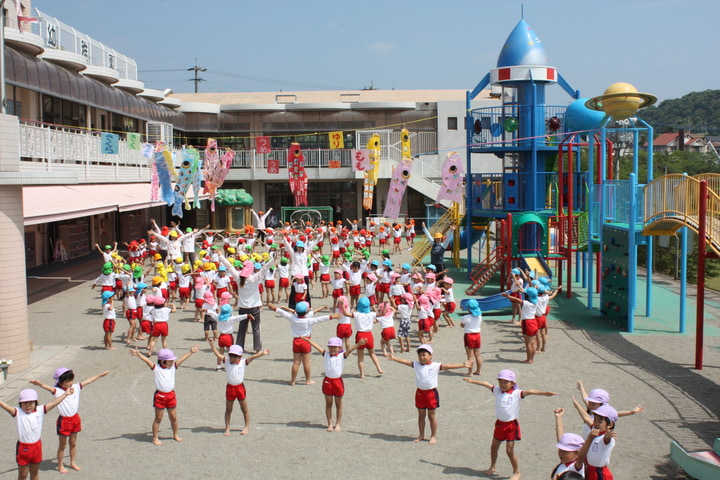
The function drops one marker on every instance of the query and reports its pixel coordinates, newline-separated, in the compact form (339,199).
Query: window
(452,123)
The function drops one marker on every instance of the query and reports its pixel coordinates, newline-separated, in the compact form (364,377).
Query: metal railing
(509,191)
(495,127)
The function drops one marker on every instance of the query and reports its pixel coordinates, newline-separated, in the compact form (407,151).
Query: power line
(197,79)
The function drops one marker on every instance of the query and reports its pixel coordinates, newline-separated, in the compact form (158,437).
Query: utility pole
(197,79)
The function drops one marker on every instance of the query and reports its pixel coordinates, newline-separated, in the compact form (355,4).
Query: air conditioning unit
(159,132)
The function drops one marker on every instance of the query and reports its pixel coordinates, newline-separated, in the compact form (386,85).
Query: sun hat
(430,276)
(338,272)
(409,298)
(426,347)
(235,350)
(387,263)
(28,395)
(531,274)
(431,267)
(506,374)
(473,307)
(598,395)
(58,373)
(515,271)
(225,312)
(438,235)
(540,289)
(106,296)
(257,266)
(406,266)
(375,263)
(107,268)
(532,294)
(371,277)
(301,308)
(247,269)
(334,342)
(300,244)
(535,283)
(159,300)
(448,280)
(363,305)
(607,411)
(544,280)
(166,354)
(570,442)
(299,276)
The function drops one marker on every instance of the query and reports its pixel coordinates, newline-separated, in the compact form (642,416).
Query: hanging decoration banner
(371,174)
(400,178)
(262,144)
(296,173)
(273,165)
(453,174)
(133,141)
(336,140)
(360,160)
(110,143)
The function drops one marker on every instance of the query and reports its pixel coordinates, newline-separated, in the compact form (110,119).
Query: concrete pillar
(14,340)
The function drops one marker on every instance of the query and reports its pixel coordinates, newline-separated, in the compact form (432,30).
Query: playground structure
(559,200)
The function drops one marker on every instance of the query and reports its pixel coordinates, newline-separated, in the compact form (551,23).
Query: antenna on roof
(522,11)
(197,79)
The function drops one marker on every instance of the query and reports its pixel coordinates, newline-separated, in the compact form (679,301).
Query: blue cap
(375,263)
(544,280)
(431,267)
(541,289)
(299,244)
(532,294)
(257,265)
(225,312)
(387,263)
(531,274)
(515,271)
(363,305)
(222,268)
(406,266)
(473,307)
(106,296)
(301,308)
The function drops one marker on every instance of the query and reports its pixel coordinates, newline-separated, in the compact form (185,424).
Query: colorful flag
(360,160)
(133,141)
(262,144)
(336,140)
(109,143)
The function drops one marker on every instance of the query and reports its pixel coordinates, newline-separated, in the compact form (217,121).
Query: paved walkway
(287,438)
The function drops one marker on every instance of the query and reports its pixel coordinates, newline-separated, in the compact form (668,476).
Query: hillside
(696,112)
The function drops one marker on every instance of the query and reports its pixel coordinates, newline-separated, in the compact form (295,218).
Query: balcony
(497,128)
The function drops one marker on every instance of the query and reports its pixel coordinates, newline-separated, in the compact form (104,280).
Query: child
(300,288)
(301,326)
(235,390)
(344,326)
(425,318)
(354,278)
(370,287)
(427,399)
(338,284)
(226,325)
(446,286)
(333,387)
(108,319)
(599,444)
(131,312)
(528,307)
(164,398)
(595,399)
(364,319)
(544,297)
(568,446)
(325,275)
(160,314)
(516,286)
(405,308)
(507,409)
(385,319)
(28,422)
(68,423)
(472,338)
(270,285)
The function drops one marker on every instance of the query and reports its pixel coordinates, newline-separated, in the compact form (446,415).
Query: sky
(667,48)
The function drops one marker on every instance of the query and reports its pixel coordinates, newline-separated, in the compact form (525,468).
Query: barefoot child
(384,317)
(164,398)
(344,327)
(364,319)
(28,422)
(235,365)
(333,387)
(68,423)
(405,308)
(472,338)
(448,301)
(599,444)
(507,409)
(226,326)
(108,319)
(528,307)
(568,446)
(427,399)
(160,314)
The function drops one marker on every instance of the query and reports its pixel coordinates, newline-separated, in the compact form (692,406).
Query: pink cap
(426,347)
(235,350)
(166,354)
(335,342)
(508,375)
(28,395)
(570,442)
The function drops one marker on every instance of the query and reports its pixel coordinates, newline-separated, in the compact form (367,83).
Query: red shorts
(398,300)
(184,292)
(516,294)
(146,326)
(354,290)
(164,293)
(337,292)
(160,329)
(426,324)
(373,299)
(598,473)
(300,297)
(507,431)
(382,241)
(344,330)
(370,345)
(325,277)
(436,313)
(66,426)
(356,245)
(260,288)
(397,239)
(336,254)
(118,283)
(164,399)
(235,392)
(284,282)
(450,307)
(28,453)
(109,325)
(105,288)
(199,302)
(541,322)
(225,340)
(130,313)
(172,286)
(383,287)
(333,387)
(311,274)
(529,327)
(233,284)
(427,399)
(472,340)
(315,267)
(270,284)
(388,333)
(300,346)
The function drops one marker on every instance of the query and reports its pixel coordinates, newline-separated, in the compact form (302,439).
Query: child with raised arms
(68,423)
(226,326)
(164,397)
(528,307)
(235,365)
(28,423)
(569,444)
(507,409)
(599,444)
(472,338)
(108,319)
(364,319)
(427,398)
(385,316)
(333,386)
(405,308)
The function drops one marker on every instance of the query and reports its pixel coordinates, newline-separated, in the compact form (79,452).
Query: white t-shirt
(471,323)
(599,453)
(164,377)
(334,364)
(301,326)
(235,373)
(109,311)
(161,314)
(507,404)
(364,321)
(71,404)
(225,326)
(29,425)
(527,311)
(386,322)
(426,375)
(405,311)
(542,305)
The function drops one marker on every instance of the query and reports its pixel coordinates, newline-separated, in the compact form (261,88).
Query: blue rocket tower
(522,133)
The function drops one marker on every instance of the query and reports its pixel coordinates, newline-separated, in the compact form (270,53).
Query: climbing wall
(614,296)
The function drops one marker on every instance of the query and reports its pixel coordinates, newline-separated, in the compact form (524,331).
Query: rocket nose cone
(522,47)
